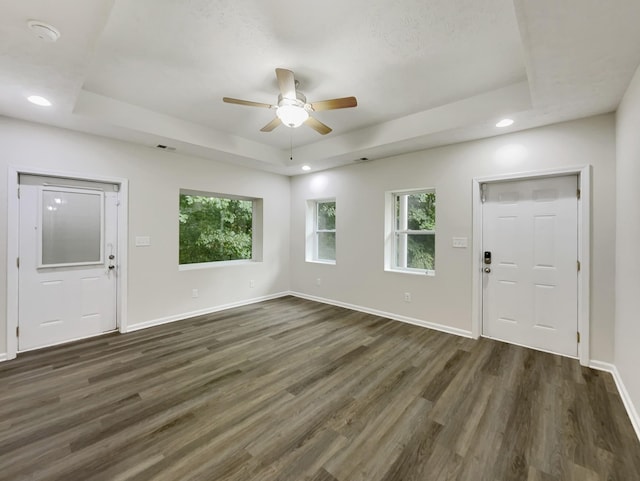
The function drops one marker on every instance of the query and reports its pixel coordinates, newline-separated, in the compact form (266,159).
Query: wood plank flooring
(295,390)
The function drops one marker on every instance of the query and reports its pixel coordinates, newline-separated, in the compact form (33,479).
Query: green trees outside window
(415,230)
(326,230)
(214,229)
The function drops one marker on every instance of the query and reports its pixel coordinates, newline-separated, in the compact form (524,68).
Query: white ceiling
(425,72)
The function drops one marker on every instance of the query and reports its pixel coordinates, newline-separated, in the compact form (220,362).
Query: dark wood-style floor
(294,390)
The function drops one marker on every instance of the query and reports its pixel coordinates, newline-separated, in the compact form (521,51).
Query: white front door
(530,288)
(67,273)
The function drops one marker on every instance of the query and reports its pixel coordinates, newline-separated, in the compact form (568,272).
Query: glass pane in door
(71,227)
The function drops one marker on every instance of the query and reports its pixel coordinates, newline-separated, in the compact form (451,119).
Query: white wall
(358,277)
(627,333)
(156,288)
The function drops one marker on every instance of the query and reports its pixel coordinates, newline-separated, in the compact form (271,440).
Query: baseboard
(209,310)
(395,317)
(4,357)
(624,394)
(602,366)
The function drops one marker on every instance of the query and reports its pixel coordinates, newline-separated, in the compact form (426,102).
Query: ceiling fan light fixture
(292,115)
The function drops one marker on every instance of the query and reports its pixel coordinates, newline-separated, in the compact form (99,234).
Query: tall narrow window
(321,231)
(325,230)
(215,228)
(413,236)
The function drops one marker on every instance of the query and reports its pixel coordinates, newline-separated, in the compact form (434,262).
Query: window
(321,231)
(217,227)
(412,236)
(71,225)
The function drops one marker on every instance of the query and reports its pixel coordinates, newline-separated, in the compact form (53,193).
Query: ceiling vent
(44,31)
(165,147)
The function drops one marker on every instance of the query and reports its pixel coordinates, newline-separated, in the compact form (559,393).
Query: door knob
(487,270)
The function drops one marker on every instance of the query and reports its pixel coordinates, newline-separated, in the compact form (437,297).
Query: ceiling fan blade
(248,103)
(287,83)
(271,125)
(343,103)
(317,126)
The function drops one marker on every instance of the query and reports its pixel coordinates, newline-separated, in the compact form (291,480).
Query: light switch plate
(460,242)
(143,241)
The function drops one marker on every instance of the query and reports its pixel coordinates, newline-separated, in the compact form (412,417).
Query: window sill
(414,272)
(208,265)
(316,261)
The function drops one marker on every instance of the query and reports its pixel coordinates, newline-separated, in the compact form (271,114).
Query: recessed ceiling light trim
(44,31)
(306,168)
(38,100)
(504,123)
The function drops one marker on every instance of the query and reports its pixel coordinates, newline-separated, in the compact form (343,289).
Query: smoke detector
(44,31)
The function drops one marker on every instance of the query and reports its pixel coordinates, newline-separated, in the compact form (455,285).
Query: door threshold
(70,341)
(531,347)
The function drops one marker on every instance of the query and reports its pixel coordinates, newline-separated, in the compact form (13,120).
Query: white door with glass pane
(67,270)
(530,253)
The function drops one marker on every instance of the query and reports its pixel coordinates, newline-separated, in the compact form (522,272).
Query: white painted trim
(13,247)
(634,417)
(389,315)
(13,226)
(476,261)
(4,357)
(584,276)
(201,312)
(584,248)
(602,366)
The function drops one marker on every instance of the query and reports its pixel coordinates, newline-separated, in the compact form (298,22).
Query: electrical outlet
(194,293)
(407,297)
(318,281)
(252,283)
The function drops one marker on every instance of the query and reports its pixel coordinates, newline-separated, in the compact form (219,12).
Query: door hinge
(17,331)
(483,194)
(18,262)
(578,194)
(18,192)
(578,265)
(578,337)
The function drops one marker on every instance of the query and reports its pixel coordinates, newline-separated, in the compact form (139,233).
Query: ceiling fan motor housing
(299,101)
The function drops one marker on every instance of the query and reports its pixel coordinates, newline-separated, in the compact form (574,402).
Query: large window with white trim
(412,234)
(218,228)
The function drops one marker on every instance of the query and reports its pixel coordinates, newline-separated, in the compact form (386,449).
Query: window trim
(311,249)
(392,231)
(256,231)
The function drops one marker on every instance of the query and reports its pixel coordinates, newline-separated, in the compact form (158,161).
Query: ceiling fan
(292,108)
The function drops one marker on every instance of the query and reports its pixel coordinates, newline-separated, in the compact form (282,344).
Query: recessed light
(505,123)
(306,168)
(41,101)
(44,31)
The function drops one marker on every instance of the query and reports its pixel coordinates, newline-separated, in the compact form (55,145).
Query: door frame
(584,247)
(13,245)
